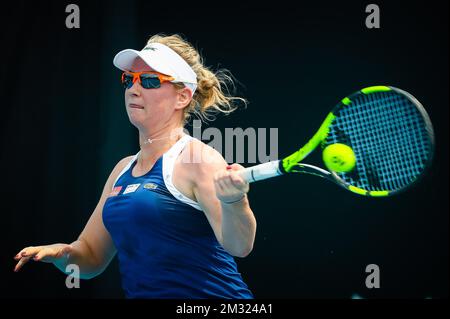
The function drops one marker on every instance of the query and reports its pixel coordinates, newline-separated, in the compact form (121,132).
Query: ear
(184,98)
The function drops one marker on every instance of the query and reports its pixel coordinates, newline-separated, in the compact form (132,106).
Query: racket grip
(261,171)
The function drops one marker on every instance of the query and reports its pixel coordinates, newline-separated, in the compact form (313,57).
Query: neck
(154,143)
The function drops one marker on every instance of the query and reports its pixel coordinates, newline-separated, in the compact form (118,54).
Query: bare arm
(92,251)
(238,220)
(214,186)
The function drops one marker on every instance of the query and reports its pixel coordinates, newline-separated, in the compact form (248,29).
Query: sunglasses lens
(127,81)
(150,81)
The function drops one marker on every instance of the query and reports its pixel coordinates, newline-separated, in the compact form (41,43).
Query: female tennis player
(175,213)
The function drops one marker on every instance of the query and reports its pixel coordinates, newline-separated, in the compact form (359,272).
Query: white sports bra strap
(169,159)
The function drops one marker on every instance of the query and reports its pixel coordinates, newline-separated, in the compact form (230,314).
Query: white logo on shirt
(131,188)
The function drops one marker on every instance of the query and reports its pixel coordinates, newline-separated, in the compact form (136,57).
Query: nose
(135,89)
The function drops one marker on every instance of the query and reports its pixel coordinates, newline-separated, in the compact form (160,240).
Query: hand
(49,254)
(230,187)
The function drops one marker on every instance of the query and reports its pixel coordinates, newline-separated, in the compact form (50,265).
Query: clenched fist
(230,187)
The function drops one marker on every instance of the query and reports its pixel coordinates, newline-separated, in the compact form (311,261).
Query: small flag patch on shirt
(131,188)
(115,191)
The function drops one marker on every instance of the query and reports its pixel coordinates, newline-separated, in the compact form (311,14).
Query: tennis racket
(389,132)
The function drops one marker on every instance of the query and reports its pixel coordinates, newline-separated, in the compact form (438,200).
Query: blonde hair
(213,88)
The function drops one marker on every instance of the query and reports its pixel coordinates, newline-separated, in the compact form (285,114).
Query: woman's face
(150,108)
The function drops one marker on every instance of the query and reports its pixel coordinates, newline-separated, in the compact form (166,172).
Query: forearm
(238,228)
(82,257)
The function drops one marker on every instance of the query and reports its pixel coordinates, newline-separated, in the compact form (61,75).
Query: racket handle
(261,171)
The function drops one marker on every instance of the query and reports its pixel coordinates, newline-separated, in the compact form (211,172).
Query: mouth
(135,106)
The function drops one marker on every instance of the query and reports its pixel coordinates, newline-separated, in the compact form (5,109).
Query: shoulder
(120,166)
(116,171)
(123,162)
(201,159)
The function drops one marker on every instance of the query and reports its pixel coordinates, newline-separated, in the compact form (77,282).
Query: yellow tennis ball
(339,158)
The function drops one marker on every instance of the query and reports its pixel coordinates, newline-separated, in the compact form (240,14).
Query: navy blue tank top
(165,244)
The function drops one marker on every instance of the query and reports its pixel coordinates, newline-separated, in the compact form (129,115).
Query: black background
(64,127)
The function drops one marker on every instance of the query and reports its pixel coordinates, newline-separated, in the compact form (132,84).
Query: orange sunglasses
(147,79)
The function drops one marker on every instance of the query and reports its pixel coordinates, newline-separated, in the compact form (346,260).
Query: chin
(136,120)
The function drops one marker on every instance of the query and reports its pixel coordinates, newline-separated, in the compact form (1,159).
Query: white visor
(162,59)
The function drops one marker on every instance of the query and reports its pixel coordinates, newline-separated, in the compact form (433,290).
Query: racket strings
(389,138)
